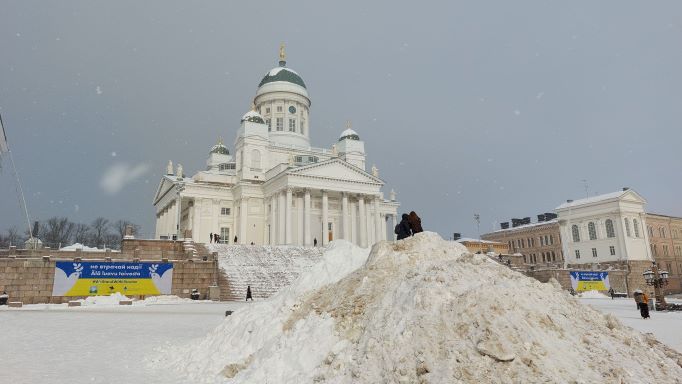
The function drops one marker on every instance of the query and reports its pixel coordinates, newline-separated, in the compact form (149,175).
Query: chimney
(456,236)
(625,188)
(541,218)
(526,220)
(550,216)
(569,201)
(516,222)
(504,225)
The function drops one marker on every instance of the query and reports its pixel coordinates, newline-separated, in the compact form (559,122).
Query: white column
(273,219)
(306,219)
(243,215)
(289,229)
(377,221)
(299,220)
(344,217)
(325,218)
(178,212)
(393,224)
(281,218)
(363,221)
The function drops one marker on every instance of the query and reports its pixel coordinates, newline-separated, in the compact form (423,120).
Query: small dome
(349,134)
(282,74)
(253,117)
(220,148)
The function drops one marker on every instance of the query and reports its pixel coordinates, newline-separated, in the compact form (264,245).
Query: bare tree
(99,229)
(14,236)
(81,233)
(56,231)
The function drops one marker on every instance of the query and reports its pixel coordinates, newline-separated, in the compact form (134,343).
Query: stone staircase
(267,269)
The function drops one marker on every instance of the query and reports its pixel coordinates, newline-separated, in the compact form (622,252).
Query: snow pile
(423,310)
(80,246)
(168,299)
(592,295)
(112,299)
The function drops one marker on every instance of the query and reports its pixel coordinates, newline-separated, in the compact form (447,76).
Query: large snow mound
(422,310)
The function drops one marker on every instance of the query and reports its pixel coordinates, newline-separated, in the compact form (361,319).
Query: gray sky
(499,108)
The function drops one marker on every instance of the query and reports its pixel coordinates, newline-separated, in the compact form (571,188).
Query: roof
(282,74)
(220,148)
(595,199)
(470,240)
(539,223)
(253,117)
(349,134)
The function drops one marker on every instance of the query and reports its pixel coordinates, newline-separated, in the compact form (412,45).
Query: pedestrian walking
(415,223)
(402,229)
(612,293)
(642,301)
(216,238)
(210,236)
(248,293)
(235,239)
(315,242)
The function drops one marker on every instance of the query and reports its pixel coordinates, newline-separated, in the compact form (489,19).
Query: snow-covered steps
(267,269)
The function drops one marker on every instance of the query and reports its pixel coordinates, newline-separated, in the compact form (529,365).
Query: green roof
(282,74)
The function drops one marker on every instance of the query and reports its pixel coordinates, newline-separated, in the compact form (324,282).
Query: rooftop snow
(594,199)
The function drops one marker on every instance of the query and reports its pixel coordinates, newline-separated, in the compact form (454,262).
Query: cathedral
(275,188)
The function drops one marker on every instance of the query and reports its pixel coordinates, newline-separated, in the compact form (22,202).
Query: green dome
(282,74)
(220,148)
(253,117)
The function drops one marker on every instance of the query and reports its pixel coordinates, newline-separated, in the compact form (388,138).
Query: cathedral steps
(267,269)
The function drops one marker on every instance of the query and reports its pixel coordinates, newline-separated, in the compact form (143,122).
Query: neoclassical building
(277,188)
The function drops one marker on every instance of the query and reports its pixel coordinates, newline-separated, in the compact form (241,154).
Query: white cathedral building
(277,189)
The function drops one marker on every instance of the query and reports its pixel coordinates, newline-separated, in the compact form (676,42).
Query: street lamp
(477,217)
(657,279)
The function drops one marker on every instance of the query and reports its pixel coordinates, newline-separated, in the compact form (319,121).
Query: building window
(267,110)
(576,233)
(255,159)
(302,126)
(224,235)
(654,249)
(678,251)
(594,252)
(610,232)
(612,250)
(662,230)
(651,230)
(670,268)
(577,253)
(627,227)
(280,123)
(542,241)
(543,257)
(269,123)
(592,231)
(279,108)
(518,243)
(665,250)
(292,125)
(524,259)
(224,211)
(553,256)
(635,226)
(551,239)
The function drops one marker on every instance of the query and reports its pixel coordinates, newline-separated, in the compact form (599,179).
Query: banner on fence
(105,278)
(590,281)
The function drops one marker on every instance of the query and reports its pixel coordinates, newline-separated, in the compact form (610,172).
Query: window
(592,230)
(542,241)
(610,232)
(651,230)
(292,125)
(665,250)
(255,159)
(224,235)
(670,268)
(635,226)
(678,251)
(553,256)
(524,259)
(224,211)
(280,123)
(551,239)
(523,243)
(663,232)
(269,123)
(576,233)
(577,253)
(543,257)
(594,252)
(302,126)
(627,227)
(226,166)
(518,243)
(612,250)
(279,108)
(267,110)
(654,249)
(546,240)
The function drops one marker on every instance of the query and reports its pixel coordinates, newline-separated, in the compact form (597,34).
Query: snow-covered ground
(101,342)
(664,325)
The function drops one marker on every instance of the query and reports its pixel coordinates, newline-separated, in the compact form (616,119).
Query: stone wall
(30,280)
(617,278)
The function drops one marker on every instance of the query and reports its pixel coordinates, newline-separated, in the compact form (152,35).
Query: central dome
(282,74)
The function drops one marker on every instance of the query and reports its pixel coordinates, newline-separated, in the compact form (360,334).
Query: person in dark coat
(642,303)
(315,242)
(612,293)
(211,237)
(248,293)
(216,238)
(235,239)
(415,223)
(403,228)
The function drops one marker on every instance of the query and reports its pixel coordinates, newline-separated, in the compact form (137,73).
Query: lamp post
(477,217)
(658,279)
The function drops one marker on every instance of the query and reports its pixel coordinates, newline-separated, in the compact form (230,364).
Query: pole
(21,194)
(477,217)
(657,286)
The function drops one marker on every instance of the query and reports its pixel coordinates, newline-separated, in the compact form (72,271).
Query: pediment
(336,169)
(163,187)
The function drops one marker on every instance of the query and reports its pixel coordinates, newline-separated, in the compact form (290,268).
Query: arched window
(635,226)
(576,233)
(627,227)
(610,232)
(255,159)
(592,230)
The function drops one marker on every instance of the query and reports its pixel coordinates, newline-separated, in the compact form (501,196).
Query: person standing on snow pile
(402,229)
(642,301)
(248,293)
(415,223)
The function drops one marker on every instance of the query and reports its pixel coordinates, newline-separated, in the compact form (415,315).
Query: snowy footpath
(101,342)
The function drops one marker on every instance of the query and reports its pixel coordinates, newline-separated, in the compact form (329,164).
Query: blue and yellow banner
(105,278)
(590,281)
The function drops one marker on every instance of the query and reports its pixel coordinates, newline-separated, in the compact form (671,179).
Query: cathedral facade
(276,188)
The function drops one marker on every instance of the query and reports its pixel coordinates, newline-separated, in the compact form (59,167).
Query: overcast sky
(501,108)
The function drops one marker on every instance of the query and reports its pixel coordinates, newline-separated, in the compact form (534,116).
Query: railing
(302,148)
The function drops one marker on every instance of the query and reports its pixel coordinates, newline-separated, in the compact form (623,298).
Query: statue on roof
(375,171)
(169,168)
